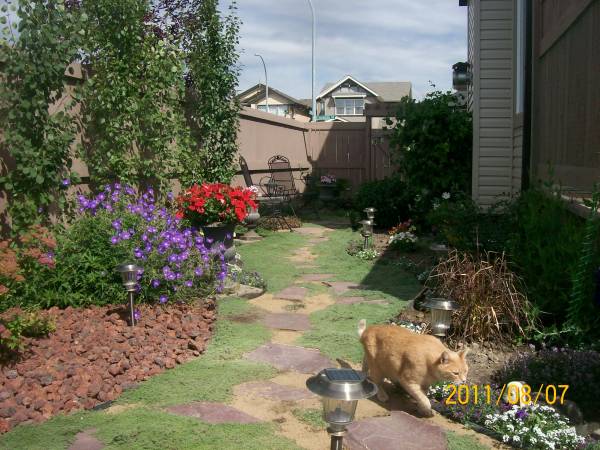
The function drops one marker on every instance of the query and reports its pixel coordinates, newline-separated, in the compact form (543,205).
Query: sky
(372,40)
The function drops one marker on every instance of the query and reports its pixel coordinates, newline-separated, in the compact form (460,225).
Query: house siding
(491,44)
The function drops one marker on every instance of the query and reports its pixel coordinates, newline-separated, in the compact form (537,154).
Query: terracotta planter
(222,233)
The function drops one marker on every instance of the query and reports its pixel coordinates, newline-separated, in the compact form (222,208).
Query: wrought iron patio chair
(270,196)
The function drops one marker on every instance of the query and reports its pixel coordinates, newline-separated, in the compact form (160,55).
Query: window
(521,51)
(349,106)
(278,110)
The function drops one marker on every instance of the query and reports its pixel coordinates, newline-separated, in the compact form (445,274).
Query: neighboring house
(345,100)
(534,94)
(280,103)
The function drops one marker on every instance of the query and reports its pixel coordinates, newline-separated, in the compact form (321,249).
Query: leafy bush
(116,226)
(390,197)
(579,369)
(544,247)
(432,141)
(32,325)
(492,302)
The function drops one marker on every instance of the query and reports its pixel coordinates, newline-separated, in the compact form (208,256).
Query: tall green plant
(38,40)
(212,59)
(580,313)
(132,103)
(432,141)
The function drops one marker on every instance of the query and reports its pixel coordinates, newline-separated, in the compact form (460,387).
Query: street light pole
(314,37)
(266,81)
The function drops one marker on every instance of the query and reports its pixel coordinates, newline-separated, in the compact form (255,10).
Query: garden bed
(94,355)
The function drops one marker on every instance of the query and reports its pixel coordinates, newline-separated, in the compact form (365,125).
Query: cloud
(379,40)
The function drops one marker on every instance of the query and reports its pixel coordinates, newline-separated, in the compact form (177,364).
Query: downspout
(528,94)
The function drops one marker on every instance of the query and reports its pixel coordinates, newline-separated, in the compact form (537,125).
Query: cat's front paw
(426,412)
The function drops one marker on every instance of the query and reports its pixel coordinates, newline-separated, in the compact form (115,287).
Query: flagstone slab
(294,293)
(316,276)
(288,357)
(340,287)
(214,413)
(86,441)
(273,391)
(287,321)
(399,431)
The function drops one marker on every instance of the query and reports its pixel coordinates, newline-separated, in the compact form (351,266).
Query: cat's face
(453,367)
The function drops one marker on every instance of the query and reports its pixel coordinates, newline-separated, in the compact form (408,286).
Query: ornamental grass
(493,306)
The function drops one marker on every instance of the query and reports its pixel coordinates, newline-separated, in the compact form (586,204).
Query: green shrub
(432,142)
(32,325)
(544,247)
(390,197)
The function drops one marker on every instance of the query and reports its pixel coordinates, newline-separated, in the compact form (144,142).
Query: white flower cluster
(439,391)
(534,427)
(403,236)
(411,326)
(367,255)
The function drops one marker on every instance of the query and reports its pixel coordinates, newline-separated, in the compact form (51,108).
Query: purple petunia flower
(198,271)
(114,240)
(522,414)
(189,283)
(155,283)
(163,299)
(66,182)
(137,315)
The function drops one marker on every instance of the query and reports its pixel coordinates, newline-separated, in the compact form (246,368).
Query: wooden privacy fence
(351,150)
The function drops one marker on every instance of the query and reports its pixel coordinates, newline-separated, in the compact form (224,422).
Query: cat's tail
(362,326)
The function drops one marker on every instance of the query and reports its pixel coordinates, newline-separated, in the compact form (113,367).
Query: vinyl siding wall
(491,49)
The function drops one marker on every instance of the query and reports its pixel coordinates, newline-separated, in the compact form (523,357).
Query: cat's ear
(445,357)
(463,353)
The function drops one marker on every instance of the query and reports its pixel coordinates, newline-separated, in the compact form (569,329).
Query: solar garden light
(366,232)
(340,390)
(129,277)
(441,314)
(370,213)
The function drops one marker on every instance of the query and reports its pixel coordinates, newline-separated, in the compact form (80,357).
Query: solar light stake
(366,232)
(340,390)
(441,314)
(370,213)
(129,274)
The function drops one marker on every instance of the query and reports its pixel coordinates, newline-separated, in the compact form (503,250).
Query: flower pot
(221,233)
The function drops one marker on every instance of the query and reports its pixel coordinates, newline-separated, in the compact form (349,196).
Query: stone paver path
(287,321)
(399,431)
(213,413)
(86,441)
(289,357)
(287,313)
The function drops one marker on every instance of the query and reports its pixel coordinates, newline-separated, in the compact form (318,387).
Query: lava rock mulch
(94,355)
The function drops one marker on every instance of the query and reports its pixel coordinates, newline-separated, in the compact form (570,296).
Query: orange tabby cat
(415,361)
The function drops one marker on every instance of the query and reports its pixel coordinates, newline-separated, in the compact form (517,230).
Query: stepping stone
(274,391)
(86,441)
(213,413)
(287,321)
(294,293)
(288,357)
(340,287)
(316,276)
(399,431)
